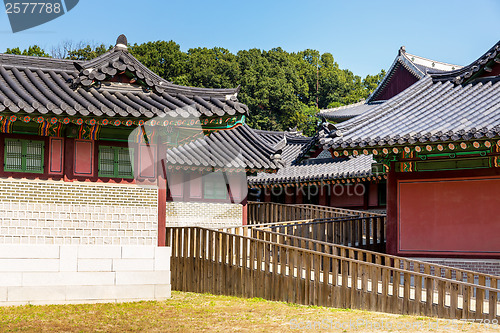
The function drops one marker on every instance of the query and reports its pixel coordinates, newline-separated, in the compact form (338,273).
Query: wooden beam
(391,224)
(245,211)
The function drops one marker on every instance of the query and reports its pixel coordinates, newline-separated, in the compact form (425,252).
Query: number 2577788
(32,8)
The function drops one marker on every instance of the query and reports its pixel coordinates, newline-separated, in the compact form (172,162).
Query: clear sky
(363,36)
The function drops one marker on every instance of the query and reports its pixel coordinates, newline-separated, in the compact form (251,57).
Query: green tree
(371,82)
(34,50)
(88,52)
(164,58)
(212,68)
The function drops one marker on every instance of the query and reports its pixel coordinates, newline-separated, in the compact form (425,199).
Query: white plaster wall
(52,274)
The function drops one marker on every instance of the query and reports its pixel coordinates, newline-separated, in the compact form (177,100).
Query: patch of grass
(191,312)
(256,300)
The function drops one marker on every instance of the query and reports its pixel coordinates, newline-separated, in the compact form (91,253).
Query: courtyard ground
(190,312)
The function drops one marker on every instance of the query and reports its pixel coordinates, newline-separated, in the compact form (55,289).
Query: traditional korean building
(67,175)
(440,141)
(98,156)
(321,178)
(65,138)
(405,70)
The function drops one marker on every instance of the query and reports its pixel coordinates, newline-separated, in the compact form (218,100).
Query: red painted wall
(298,196)
(444,214)
(176,184)
(267,196)
(56,156)
(323,200)
(452,216)
(238,186)
(373,194)
(289,194)
(400,80)
(494,72)
(351,195)
(147,161)
(84,158)
(196,186)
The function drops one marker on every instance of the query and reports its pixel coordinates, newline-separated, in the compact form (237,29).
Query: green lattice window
(114,162)
(24,155)
(214,186)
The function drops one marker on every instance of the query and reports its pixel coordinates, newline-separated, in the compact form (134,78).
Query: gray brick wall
(485,266)
(201,214)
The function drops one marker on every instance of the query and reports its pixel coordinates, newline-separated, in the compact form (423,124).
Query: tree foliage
(281,89)
(34,50)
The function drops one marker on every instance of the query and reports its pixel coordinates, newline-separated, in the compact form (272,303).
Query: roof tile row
(240,147)
(61,87)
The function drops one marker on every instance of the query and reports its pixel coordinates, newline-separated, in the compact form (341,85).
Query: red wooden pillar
(392,223)
(161,177)
(245,211)
(69,151)
(162,212)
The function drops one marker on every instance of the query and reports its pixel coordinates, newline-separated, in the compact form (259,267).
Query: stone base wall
(202,214)
(485,266)
(52,274)
(57,212)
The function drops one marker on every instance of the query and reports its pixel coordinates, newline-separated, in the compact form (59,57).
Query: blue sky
(363,36)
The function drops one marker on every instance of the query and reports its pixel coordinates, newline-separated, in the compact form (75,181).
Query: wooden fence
(355,231)
(205,260)
(335,209)
(268,212)
(333,225)
(408,264)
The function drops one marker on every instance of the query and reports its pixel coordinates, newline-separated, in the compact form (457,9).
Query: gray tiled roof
(467,73)
(37,85)
(294,143)
(311,146)
(353,167)
(345,112)
(240,147)
(427,111)
(272,137)
(311,169)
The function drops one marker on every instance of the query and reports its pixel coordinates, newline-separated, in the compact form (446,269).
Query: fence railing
(335,209)
(268,212)
(205,260)
(268,234)
(355,231)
